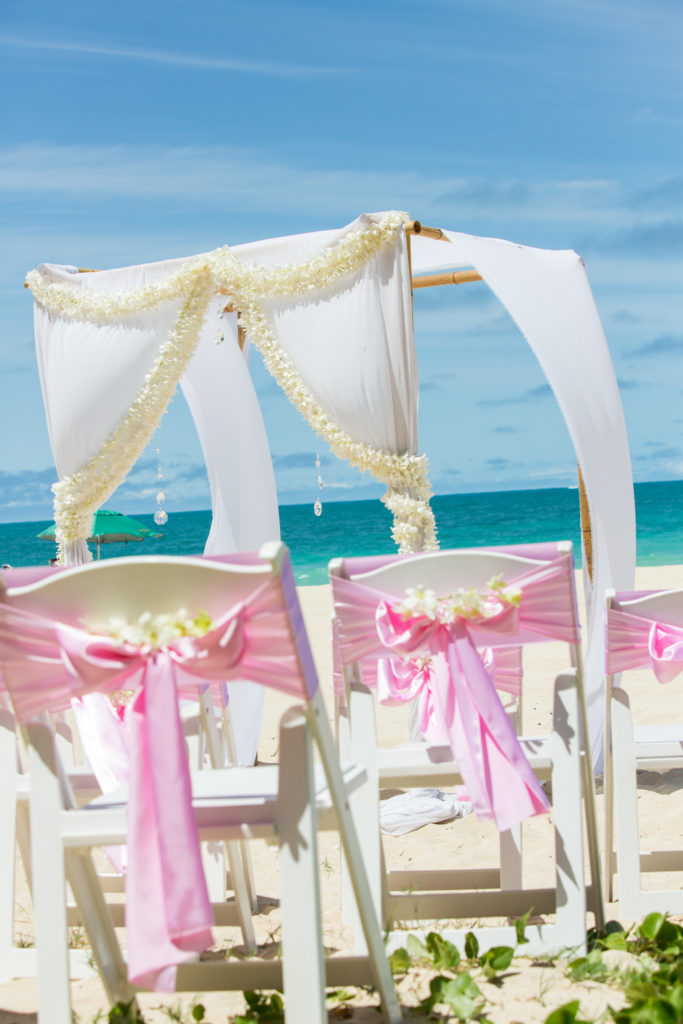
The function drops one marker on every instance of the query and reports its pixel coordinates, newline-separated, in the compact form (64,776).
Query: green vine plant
(652,984)
(453,987)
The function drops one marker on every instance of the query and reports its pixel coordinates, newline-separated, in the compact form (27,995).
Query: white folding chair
(547,611)
(257,633)
(17,952)
(643,631)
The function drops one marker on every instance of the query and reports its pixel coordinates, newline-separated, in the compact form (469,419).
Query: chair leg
(608,815)
(366,900)
(511,858)
(85,885)
(358,746)
(596,899)
(237,854)
(625,805)
(566,782)
(303,967)
(240,888)
(49,878)
(8,839)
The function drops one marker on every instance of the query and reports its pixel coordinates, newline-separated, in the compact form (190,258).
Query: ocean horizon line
(363,527)
(328,499)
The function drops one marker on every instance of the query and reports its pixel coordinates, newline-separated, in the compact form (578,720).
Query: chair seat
(243,798)
(414,764)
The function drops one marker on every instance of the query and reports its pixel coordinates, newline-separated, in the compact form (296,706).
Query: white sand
(530,991)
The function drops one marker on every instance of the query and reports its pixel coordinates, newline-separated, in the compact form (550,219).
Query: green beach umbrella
(109,528)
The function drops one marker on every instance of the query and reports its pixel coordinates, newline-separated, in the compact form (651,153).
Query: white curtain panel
(89,376)
(353,343)
(548,296)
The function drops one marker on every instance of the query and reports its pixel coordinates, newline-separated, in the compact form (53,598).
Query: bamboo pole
(586,531)
(414,227)
(452,277)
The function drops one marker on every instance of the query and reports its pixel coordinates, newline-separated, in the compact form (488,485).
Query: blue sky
(139,131)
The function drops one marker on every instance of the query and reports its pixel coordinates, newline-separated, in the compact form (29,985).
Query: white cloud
(177,60)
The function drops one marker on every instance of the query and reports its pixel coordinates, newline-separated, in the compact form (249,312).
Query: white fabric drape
(548,296)
(89,376)
(351,344)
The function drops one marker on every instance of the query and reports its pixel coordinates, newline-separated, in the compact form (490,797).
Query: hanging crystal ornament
(160,516)
(318,505)
(220,337)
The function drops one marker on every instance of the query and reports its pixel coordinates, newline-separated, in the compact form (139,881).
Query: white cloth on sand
(417,807)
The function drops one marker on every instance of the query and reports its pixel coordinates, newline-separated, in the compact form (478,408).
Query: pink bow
(634,641)
(168,912)
(47,663)
(400,680)
(458,704)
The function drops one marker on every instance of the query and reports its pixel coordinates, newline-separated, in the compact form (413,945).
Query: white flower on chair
(475,603)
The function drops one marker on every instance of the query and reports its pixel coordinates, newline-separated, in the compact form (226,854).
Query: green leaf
(400,961)
(416,947)
(653,1011)
(566,1014)
(198,1012)
(466,984)
(651,926)
(496,959)
(471,946)
(520,927)
(444,954)
(615,940)
(462,1007)
(125,1013)
(460,1003)
(676,999)
(591,966)
(434,997)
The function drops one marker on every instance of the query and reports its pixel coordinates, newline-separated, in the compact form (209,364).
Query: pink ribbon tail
(168,913)
(499,780)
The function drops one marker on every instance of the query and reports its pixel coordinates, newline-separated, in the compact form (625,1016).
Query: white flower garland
(77,497)
(62,299)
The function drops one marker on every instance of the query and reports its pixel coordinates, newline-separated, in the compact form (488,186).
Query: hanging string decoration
(161,515)
(318,505)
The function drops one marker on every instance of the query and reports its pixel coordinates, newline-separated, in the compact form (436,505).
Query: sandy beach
(530,990)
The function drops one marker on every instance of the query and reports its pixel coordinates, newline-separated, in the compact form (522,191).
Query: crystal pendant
(320,481)
(220,312)
(318,507)
(220,337)
(160,517)
(161,498)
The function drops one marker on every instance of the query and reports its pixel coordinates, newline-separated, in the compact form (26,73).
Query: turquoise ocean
(364,528)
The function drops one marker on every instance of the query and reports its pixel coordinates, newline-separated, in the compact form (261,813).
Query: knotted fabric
(46,663)
(458,703)
(635,641)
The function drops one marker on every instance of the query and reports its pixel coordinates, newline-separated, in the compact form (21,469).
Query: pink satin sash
(634,641)
(47,663)
(458,703)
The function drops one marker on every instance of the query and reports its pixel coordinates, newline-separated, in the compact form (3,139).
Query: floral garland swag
(77,497)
